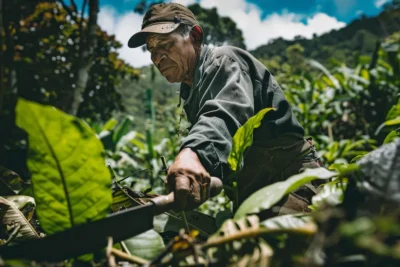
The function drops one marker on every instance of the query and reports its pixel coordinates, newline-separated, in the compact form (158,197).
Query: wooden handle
(165,203)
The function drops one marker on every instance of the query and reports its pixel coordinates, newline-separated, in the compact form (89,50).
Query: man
(223,87)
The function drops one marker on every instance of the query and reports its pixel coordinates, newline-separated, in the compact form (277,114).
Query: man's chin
(172,79)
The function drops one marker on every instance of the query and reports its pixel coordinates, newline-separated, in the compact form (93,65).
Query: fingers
(182,191)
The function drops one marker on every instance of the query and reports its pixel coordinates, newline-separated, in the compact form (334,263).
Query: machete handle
(167,202)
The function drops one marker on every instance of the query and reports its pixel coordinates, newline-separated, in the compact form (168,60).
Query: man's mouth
(164,69)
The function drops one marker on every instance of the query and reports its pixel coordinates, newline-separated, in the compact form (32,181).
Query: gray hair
(184,30)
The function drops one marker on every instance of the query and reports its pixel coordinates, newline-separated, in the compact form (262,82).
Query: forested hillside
(344,45)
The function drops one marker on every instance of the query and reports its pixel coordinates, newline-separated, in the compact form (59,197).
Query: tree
(218,30)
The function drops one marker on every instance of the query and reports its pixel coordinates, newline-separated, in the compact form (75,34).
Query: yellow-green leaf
(243,138)
(71,183)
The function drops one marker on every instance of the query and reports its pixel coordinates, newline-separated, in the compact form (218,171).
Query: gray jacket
(229,87)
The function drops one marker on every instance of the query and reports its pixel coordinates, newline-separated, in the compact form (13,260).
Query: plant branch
(130,258)
(74,5)
(13,234)
(69,11)
(80,24)
(251,233)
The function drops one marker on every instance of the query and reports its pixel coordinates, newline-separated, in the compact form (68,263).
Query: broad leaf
(146,245)
(10,182)
(291,221)
(268,196)
(243,138)
(71,182)
(10,215)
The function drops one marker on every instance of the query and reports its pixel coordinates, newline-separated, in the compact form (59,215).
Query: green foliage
(47,54)
(71,183)
(243,138)
(344,45)
(146,245)
(268,196)
(10,182)
(331,194)
(12,217)
(217,30)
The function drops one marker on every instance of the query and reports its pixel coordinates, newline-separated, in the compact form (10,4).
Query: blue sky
(343,10)
(259,20)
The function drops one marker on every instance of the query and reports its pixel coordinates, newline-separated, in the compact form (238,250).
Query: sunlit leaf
(331,194)
(110,124)
(243,138)
(391,136)
(268,196)
(71,182)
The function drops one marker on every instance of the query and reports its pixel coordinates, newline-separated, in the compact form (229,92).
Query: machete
(92,236)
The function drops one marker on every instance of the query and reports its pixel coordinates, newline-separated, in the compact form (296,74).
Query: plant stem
(185,222)
(251,233)
(130,258)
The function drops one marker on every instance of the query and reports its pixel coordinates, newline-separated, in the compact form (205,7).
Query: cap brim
(139,38)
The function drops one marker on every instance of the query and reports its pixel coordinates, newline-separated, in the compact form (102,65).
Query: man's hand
(189,180)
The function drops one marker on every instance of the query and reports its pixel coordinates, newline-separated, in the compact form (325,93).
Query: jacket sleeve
(225,103)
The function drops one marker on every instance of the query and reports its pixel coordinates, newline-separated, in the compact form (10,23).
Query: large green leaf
(243,138)
(268,196)
(71,182)
(146,245)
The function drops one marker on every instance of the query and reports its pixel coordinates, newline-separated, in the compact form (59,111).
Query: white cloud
(256,31)
(184,2)
(123,26)
(380,3)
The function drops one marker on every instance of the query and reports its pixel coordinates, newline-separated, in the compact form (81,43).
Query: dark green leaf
(268,196)
(146,245)
(122,129)
(10,182)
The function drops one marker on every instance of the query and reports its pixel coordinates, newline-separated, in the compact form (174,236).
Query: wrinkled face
(173,55)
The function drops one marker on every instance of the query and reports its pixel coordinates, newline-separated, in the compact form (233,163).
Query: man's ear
(196,34)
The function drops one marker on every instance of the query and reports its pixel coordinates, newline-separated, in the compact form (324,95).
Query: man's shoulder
(229,51)
(235,54)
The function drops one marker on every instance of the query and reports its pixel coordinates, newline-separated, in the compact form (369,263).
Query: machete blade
(86,237)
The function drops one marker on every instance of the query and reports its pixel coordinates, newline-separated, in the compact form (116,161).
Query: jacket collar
(185,90)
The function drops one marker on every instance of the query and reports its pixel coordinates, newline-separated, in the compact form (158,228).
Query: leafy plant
(71,183)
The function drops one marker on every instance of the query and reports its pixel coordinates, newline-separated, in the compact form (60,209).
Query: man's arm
(225,104)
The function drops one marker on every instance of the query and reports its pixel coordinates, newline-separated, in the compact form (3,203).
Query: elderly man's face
(172,54)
